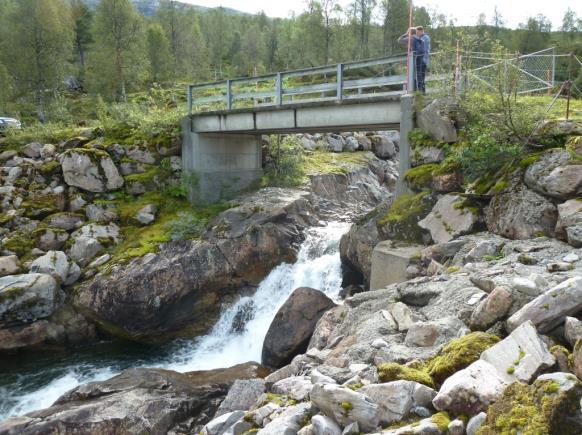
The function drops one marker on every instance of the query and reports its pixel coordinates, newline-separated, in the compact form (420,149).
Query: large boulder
(439,119)
(55,263)
(423,155)
(551,405)
(346,406)
(242,395)
(555,175)
(149,401)
(383,147)
(9,265)
(63,329)
(551,308)
(491,309)
(293,326)
(398,399)
(91,170)
(520,213)
(290,421)
(519,357)
(449,219)
(470,390)
(569,216)
(25,298)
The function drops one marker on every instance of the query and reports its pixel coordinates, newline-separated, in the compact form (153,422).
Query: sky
(466,12)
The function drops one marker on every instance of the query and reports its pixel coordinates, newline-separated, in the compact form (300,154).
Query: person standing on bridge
(420,46)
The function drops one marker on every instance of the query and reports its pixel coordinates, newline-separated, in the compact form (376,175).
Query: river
(36,381)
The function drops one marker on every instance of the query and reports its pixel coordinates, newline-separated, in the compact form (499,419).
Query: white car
(6,123)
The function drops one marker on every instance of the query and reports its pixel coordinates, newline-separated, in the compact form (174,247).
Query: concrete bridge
(222,134)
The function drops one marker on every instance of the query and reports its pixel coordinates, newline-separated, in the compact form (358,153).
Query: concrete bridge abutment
(217,166)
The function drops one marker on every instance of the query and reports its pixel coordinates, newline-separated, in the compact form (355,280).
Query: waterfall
(236,338)
(318,266)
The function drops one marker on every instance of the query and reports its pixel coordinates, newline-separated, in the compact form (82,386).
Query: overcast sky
(514,12)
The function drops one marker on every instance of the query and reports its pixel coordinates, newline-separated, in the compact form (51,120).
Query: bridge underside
(223,148)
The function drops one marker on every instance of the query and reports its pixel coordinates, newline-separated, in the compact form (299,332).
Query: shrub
(286,163)
(186,226)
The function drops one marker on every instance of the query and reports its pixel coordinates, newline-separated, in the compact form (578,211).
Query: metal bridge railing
(343,81)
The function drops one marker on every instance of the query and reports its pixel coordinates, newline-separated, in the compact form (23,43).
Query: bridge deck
(315,116)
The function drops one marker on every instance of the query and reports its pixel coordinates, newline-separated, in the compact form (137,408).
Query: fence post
(229,94)
(279,89)
(189,99)
(340,81)
(411,73)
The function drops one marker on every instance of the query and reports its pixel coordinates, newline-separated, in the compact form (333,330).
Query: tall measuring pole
(409,57)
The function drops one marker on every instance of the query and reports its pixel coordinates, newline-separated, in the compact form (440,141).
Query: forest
(51,50)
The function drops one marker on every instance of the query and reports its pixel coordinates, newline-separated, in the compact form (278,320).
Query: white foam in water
(47,395)
(318,266)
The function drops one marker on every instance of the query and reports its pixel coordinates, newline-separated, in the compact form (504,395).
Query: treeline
(112,49)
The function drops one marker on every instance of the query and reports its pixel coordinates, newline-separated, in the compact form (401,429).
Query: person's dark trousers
(420,73)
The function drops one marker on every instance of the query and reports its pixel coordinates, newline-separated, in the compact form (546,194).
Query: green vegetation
(420,138)
(420,178)
(289,165)
(389,372)
(19,243)
(400,222)
(538,409)
(176,219)
(286,163)
(442,420)
(456,355)
(347,406)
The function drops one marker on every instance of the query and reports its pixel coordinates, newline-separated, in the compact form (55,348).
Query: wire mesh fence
(451,72)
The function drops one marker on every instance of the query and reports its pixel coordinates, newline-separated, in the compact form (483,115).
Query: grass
(321,162)
(137,240)
(558,111)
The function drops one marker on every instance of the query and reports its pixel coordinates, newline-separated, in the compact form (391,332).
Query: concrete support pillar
(389,264)
(406,125)
(219,165)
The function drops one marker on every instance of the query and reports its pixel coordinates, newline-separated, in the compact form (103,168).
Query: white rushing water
(318,265)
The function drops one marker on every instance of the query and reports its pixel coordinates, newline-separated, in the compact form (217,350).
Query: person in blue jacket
(420,45)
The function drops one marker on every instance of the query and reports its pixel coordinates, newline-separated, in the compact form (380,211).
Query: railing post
(411,73)
(340,81)
(229,94)
(189,95)
(279,89)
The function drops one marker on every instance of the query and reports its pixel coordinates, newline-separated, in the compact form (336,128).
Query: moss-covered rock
(459,354)
(389,372)
(49,169)
(401,220)
(539,409)
(19,243)
(39,204)
(420,178)
(442,420)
